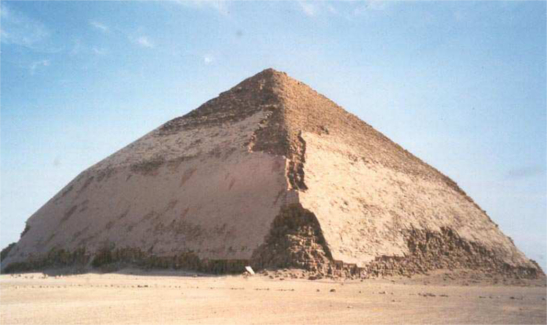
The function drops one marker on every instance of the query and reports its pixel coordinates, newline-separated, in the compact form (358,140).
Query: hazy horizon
(461,85)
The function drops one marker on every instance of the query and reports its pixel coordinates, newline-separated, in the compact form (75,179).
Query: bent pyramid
(271,174)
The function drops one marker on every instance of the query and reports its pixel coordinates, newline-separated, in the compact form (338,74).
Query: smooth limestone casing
(215,198)
(363,207)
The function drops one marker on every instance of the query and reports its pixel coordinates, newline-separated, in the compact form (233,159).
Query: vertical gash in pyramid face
(271,174)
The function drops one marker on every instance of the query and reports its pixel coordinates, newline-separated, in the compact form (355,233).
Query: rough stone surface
(295,241)
(5,251)
(272,174)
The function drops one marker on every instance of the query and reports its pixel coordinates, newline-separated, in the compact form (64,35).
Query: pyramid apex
(271,72)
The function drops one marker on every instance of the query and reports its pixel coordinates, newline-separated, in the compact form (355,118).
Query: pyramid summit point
(269,174)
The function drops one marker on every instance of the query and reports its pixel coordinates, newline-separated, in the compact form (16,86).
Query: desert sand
(136,297)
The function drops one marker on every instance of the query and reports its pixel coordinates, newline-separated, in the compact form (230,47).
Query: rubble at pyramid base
(295,241)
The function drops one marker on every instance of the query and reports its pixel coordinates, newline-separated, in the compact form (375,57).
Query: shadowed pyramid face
(273,174)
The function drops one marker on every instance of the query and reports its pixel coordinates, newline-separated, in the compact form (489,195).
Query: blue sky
(462,85)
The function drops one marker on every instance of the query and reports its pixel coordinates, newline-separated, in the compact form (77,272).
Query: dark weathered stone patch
(148,167)
(295,240)
(69,213)
(5,251)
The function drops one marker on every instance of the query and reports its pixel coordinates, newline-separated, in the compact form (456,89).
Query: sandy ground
(133,297)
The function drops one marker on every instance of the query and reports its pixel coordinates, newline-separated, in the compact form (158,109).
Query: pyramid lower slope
(270,174)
